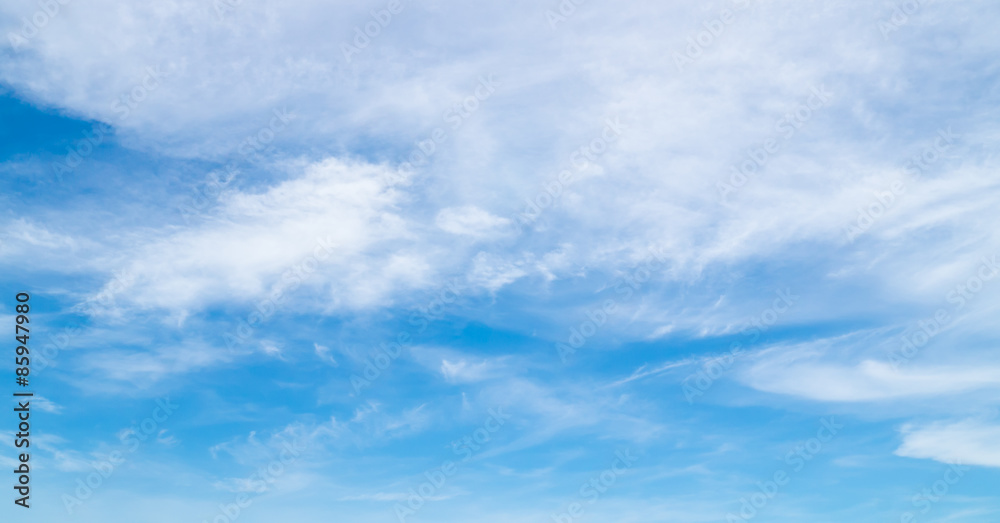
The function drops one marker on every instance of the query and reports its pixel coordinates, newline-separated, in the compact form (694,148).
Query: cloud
(392,496)
(48,246)
(322,228)
(46,405)
(21,231)
(470,221)
(804,373)
(146,367)
(644,372)
(464,371)
(323,353)
(637,191)
(272,349)
(492,272)
(326,228)
(968,442)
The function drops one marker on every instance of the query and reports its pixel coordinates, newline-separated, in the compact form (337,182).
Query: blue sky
(518,261)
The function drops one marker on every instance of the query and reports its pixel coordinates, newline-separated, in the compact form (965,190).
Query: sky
(575,261)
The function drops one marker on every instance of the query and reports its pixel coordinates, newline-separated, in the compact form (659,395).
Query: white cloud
(27,233)
(491,271)
(656,184)
(801,372)
(323,353)
(46,405)
(470,220)
(464,371)
(323,228)
(145,368)
(271,349)
(969,442)
(392,496)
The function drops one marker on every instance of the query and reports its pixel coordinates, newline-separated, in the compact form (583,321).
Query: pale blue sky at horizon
(563,262)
